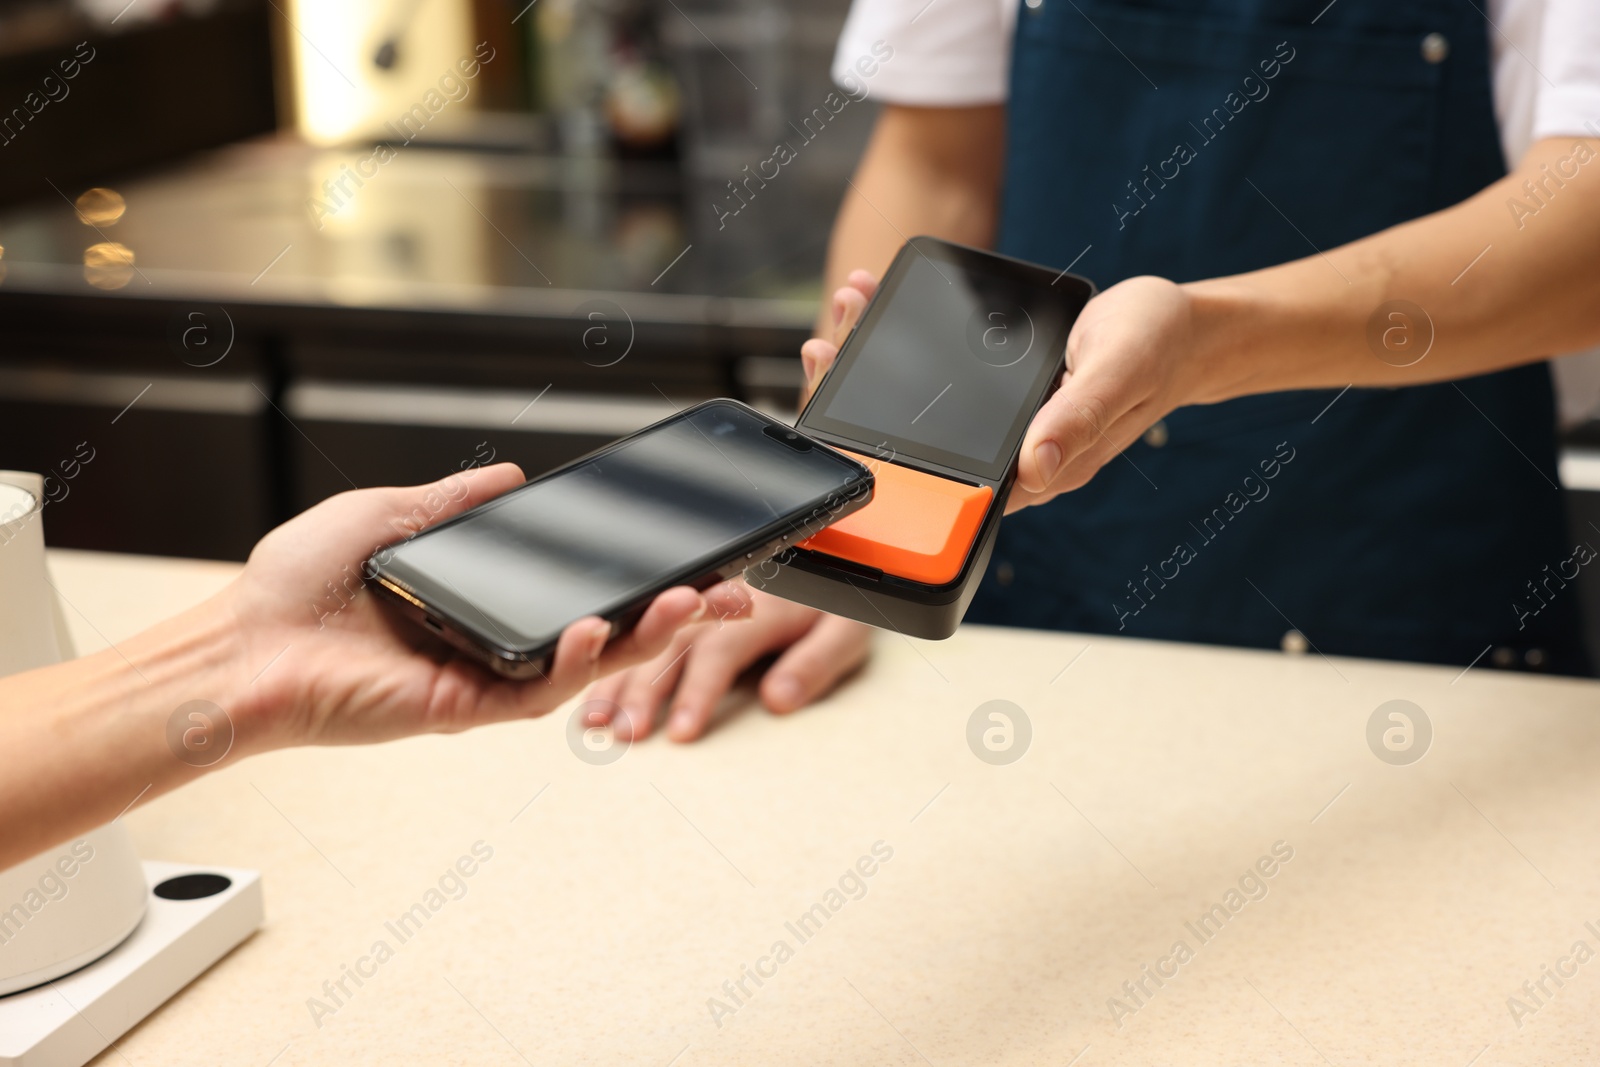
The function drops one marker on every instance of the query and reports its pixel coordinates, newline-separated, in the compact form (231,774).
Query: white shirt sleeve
(1546,70)
(1545,53)
(1546,56)
(943,53)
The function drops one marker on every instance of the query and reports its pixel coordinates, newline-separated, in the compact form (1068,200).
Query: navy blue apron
(1401,524)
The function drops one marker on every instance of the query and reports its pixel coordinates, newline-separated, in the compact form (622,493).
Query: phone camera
(789,438)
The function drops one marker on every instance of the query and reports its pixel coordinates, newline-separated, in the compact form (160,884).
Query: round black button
(192,886)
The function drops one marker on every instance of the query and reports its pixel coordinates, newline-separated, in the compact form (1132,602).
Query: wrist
(121,715)
(196,662)
(234,662)
(1230,319)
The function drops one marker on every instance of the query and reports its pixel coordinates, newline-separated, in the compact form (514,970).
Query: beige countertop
(617,900)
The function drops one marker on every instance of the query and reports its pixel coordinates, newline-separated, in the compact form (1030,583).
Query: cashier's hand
(1126,368)
(331,665)
(815,651)
(849,301)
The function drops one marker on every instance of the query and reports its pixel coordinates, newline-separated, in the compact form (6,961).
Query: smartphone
(934,390)
(691,500)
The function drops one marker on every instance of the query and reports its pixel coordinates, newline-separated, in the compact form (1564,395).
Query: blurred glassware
(642,105)
(575,63)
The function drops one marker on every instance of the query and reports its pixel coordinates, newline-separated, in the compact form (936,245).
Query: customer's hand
(336,667)
(295,651)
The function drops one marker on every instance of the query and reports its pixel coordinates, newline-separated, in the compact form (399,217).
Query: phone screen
(951,358)
(601,534)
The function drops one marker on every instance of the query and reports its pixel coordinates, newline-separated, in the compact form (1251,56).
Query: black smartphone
(691,500)
(951,359)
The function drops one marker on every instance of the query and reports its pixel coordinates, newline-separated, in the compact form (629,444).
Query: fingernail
(838,312)
(681,725)
(785,691)
(1047,459)
(597,643)
(623,725)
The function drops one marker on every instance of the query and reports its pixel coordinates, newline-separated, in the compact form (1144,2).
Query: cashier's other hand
(849,300)
(332,665)
(1128,366)
(815,651)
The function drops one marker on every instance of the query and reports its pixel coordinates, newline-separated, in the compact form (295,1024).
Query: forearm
(1498,288)
(932,171)
(85,738)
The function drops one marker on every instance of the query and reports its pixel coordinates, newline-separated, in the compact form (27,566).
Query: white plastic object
(73,1019)
(73,903)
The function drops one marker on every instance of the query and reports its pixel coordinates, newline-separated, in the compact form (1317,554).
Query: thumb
(413,509)
(339,534)
(1072,422)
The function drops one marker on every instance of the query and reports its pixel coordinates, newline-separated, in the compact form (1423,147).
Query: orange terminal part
(918,526)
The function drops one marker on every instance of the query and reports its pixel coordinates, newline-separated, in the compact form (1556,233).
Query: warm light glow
(100,207)
(341,94)
(375,236)
(108,265)
(108,254)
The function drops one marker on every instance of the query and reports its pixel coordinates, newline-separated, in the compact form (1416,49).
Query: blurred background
(255,252)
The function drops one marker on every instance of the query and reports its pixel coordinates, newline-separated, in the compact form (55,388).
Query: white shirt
(1544,55)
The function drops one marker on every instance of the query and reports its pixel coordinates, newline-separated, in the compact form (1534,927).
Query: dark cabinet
(142,463)
(361,434)
(201,460)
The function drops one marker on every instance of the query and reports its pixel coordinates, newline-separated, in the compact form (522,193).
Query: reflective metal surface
(275,222)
